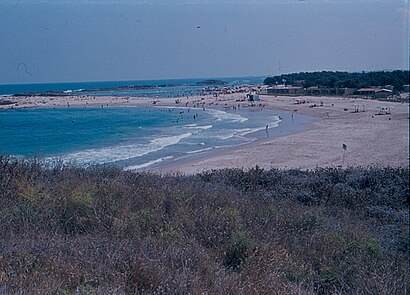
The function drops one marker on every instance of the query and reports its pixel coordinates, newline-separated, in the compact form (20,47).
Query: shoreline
(372,139)
(374,132)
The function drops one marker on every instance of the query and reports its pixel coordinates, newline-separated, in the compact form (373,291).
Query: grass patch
(105,231)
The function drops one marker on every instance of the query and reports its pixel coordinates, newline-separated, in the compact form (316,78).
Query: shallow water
(135,137)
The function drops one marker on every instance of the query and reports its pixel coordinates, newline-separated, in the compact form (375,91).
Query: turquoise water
(135,137)
(186,87)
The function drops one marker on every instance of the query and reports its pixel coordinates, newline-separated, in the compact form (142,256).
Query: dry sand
(371,138)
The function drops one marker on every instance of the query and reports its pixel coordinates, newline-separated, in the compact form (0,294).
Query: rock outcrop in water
(211,83)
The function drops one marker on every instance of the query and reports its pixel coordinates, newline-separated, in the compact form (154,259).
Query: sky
(43,41)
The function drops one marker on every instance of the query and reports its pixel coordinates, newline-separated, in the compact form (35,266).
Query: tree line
(331,79)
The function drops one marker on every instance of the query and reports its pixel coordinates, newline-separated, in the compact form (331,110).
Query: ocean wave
(222,115)
(147,164)
(120,153)
(169,140)
(225,135)
(228,134)
(246,131)
(201,150)
(202,127)
(71,91)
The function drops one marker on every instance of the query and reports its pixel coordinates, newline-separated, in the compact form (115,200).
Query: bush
(70,230)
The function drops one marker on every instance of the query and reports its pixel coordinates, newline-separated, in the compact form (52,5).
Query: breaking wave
(120,153)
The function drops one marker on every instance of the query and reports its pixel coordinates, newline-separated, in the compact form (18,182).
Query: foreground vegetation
(344,79)
(106,231)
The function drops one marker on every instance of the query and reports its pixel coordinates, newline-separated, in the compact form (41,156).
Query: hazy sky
(73,40)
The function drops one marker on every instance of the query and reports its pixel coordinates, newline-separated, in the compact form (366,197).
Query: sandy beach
(371,138)
(373,132)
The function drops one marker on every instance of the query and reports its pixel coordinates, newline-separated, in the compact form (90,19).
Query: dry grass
(104,231)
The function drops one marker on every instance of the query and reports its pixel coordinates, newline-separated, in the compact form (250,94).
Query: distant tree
(331,79)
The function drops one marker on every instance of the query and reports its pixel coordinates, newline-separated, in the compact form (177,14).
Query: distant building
(314,90)
(285,90)
(290,90)
(318,91)
(383,93)
(345,91)
(375,92)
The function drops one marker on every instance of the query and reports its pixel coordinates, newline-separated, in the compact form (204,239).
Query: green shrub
(240,248)
(68,230)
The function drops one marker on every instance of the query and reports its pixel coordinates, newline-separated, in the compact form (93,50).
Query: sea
(165,88)
(134,137)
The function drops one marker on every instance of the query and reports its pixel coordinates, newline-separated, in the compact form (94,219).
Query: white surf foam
(201,127)
(245,131)
(222,115)
(227,134)
(201,150)
(71,91)
(147,164)
(120,153)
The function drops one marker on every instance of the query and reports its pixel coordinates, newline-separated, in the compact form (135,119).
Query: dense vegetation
(344,79)
(106,231)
